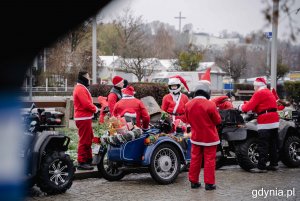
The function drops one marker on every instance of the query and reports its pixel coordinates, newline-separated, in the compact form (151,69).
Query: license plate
(95,148)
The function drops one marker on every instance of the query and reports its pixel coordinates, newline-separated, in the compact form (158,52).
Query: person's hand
(97,110)
(239,107)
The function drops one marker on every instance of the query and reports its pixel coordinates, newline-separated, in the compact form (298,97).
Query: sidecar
(162,156)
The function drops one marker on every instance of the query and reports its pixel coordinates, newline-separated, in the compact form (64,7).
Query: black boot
(84,166)
(89,161)
(195,185)
(210,187)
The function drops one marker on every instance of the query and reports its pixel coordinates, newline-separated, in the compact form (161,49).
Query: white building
(203,39)
(216,76)
(111,67)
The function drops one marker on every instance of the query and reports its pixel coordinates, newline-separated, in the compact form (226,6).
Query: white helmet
(174,81)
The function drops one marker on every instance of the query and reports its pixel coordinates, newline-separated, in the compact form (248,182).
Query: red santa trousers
(85,133)
(197,154)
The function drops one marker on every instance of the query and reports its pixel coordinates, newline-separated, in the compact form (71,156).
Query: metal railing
(48,89)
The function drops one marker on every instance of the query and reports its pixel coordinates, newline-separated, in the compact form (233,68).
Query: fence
(48,89)
(66,106)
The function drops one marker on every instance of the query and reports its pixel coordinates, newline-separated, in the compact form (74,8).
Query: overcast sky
(210,16)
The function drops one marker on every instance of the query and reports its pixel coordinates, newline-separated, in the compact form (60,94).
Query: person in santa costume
(203,116)
(104,108)
(84,110)
(280,103)
(132,107)
(113,97)
(263,103)
(224,102)
(174,102)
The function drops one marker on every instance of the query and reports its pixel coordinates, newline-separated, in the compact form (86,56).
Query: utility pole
(275,17)
(268,35)
(45,56)
(180,17)
(34,65)
(94,41)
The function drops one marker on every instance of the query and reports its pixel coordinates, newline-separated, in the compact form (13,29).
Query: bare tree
(135,51)
(66,57)
(140,67)
(233,61)
(163,44)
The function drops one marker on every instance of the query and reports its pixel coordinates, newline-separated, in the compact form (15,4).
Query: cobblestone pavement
(232,184)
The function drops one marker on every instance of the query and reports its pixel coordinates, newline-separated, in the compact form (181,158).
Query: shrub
(292,89)
(142,89)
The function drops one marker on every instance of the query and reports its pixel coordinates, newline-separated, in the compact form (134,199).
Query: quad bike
(43,151)
(288,142)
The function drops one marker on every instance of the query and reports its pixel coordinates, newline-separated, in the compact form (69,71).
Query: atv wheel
(247,154)
(110,170)
(291,152)
(165,164)
(56,173)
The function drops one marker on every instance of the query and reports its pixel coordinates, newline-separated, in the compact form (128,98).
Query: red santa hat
(117,80)
(206,76)
(128,91)
(177,79)
(275,94)
(260,81)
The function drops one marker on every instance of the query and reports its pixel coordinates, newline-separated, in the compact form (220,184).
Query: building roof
(108,60)
(214,68)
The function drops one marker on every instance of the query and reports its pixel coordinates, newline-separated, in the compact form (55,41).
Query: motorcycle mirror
(32,107)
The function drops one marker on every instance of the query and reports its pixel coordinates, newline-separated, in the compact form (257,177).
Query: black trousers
(268,144)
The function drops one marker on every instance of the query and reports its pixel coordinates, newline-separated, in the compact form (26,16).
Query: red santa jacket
(222,102)
(83,103)
(203,117)
(261,101)
(169,104)
(129,104)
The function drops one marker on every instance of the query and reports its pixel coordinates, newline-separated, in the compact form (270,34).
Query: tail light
(58,121)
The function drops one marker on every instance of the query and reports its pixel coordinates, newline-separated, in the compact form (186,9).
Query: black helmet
(230,94)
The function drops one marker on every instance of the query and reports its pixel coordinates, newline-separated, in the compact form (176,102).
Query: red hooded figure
(263,103)
(131,106)
(115,93)
(84,110)
(174,102)
(203,116)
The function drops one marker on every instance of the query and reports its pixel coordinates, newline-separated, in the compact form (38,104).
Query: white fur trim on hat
(260,84)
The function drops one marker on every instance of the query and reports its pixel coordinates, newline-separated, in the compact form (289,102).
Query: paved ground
(232,184)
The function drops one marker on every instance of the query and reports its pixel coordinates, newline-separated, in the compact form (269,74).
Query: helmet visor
(174,86)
